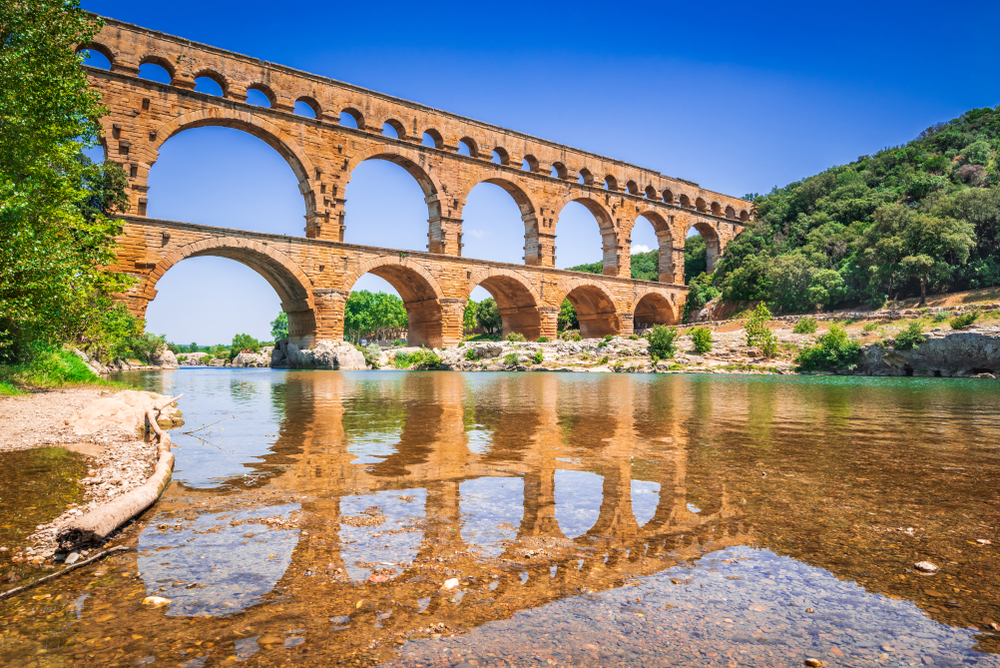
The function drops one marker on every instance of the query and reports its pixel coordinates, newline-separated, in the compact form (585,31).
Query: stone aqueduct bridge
(314,275)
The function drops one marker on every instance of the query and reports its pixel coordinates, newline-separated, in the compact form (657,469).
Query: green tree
(55,236)
(488,316)
(695,257)
(758,334)
(567,317)
(469,316)
(373,315)
(279,327)
(243,342)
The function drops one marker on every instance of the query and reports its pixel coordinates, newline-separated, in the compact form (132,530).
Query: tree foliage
(55,236)
(915,218)
(374,315)
(279,328)
(567,317)
(488,316)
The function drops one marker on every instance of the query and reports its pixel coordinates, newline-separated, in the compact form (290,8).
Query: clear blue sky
(739,97)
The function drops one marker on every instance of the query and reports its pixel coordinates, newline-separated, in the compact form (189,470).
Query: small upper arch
(632,187)
(158,61)
(744,215)
(432,138)
(396,126)
(685,201)
(97,47)
(668,196)
(585,177)
(215,78)
(306,104)
(610,183)
(529,163)
(700,205)
(730,212)
(716,209)
(351,117)
(559,171)
(265,91)
(500,156)
(650,192)
(467,146)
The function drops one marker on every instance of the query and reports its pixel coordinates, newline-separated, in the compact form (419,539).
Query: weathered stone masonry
(323,154)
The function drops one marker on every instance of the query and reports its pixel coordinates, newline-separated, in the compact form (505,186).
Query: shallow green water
(587,519)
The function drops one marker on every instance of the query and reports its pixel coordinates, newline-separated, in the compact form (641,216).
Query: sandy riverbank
(102,425)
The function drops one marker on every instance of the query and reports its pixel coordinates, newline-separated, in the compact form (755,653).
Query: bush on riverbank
(909,338)
(420,359)
(702,338)
(662,342)
(833,350)
(47,368)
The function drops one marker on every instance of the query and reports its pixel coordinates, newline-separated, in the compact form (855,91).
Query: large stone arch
(529,214)
(653,307)
(713,241)
(246,121)
(293,286)
(419,291)
(516,297)
(610,239)
(445,226)
(666,258)
(596,309)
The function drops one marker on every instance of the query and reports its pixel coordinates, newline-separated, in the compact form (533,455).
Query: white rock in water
(156,601)
(925,566)
(451,584)
(72,558)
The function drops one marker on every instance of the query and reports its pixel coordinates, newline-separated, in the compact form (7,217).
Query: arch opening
(610,183)
(650,247)
(730,213)
(248,313)
(401,220)
(352,118)
(716,209)
(700,205)
(653,309)
(500,156)
(432,138)
(519,312)
(585,177)
(467,146)
(421,297)
(650,192)
(685,201)
(210,83)
(529,164)
(595,311)
(558,171)
(393,128)
(154,68)
(490,230)
(306,106)
(576,241)
(236,176)
(96,56)
(668,197)
(701,250)
(259,96)
(632,187)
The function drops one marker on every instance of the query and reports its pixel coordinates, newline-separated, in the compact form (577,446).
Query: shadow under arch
(611,253)
(254,125)
(294,288)
(595,310)
(516,298)
(412,161)
(654,308)
(421,295)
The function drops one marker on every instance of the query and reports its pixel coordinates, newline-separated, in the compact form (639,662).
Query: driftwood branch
(99,523)
(48,578)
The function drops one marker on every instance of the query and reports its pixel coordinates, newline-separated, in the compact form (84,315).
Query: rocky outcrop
(338,355)
(248,359)
(164,358)
(946,354)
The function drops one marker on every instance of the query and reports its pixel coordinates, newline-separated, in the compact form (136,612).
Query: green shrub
(909,338)
(602,344)
(420,359)
(470,355)
(577,337)
(964,320)
(662,342)
(870,327)
(759,334)
(46,367)
(633,337)
(702,338)
(543,339)
(398,343)
(538,357)
(608,337)
(515,337)
(510,359)
(806,325)
(833,350)
(603,360)
(940,316)
(372,355)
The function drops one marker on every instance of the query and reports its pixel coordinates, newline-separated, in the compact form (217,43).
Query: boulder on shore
(325,355)
(951,354)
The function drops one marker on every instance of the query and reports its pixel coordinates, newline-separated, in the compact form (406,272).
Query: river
(534,519)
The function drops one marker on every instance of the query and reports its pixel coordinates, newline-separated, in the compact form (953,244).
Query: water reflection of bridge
(451,432)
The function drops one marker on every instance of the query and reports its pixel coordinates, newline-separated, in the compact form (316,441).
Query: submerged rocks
(325,355)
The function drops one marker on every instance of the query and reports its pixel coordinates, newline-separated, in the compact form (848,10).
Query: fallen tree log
(48,578)
(99,523)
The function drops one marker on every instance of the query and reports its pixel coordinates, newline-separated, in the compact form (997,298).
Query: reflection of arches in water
(578,501)
(645,499)
(401,509)
(491,510)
